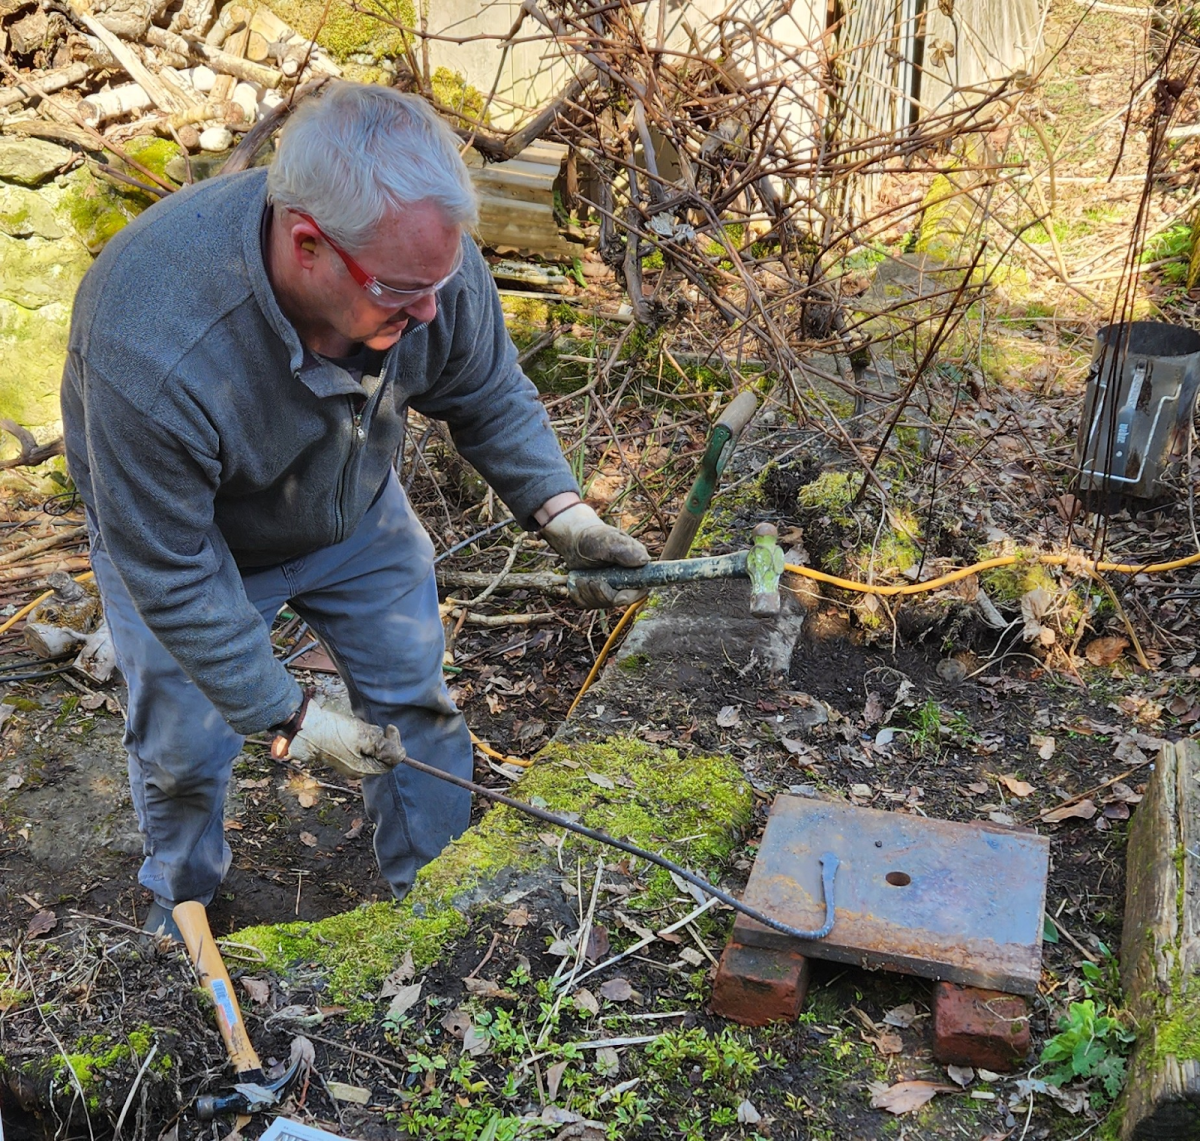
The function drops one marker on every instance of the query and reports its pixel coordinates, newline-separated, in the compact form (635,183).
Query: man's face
(412,250)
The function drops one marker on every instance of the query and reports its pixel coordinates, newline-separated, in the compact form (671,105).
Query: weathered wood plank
(1160,951)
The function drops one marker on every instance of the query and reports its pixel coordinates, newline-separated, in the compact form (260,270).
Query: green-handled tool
(721,442)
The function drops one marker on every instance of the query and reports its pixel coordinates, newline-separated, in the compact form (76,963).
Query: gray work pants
(372,600)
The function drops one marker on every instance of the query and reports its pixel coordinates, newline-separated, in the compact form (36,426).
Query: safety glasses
(372,284)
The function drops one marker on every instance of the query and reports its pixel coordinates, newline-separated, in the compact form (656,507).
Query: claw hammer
(252,1091)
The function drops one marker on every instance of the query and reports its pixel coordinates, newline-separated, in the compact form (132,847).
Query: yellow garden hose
(1085,566)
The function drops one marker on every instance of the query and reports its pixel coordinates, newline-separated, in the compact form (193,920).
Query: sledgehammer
(252,1091)
(762,565)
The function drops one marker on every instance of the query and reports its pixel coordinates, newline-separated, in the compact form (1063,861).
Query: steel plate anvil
(960,902)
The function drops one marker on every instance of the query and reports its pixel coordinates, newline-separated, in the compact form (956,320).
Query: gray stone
(31,161)
(36,272)
(25,214)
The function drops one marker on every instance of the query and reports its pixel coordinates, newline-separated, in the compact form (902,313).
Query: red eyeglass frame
(370,282)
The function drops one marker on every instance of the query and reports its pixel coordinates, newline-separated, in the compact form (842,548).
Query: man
(240,364)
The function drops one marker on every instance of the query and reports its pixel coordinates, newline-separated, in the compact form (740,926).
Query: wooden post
(1160,951)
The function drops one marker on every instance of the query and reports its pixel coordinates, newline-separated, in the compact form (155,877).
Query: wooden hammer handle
(192,921)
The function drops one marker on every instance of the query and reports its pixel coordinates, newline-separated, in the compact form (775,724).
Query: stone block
(986,1029)
(757,985)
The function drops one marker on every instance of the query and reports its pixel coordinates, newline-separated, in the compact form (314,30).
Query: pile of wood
(106,71)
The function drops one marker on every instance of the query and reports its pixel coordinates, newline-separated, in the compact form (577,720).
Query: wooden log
(164,99)
(51,81)
(222,62)
(1160,952)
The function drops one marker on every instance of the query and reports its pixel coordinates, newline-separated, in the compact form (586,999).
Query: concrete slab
(959,902)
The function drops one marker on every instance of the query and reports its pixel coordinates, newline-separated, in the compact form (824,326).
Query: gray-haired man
(240,365)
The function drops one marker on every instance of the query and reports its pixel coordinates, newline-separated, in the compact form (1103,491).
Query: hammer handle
(660,574)
(192,921)
(721,443)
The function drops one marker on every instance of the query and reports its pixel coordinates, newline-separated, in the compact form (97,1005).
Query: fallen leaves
(904,1097)
(1044,745)
(617,990)
(1081,810)
(1015,785)
(600,780)
(41,924)
(403,1001)
(1105,651)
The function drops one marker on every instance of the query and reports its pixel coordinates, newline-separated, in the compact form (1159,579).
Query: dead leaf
(398,977)
(456,1023)
(586,1001)
(307,799)
(889,1042)
(405,998)
(355,830)
(961,1075)
(1084,810)
(615,990)
(308,839)
(486,988)
(550,839)
(1016,786)
(1044,745)
(42,924)
(258,990)
(691,955)
(518,917)
(598,944)
(601,780)
(978,787)
(608,1061)
(728,717)
(1118,810)
(904,1097)
(1105,651)
(902,1016)
(14,781)
(553,1078)
(233,826)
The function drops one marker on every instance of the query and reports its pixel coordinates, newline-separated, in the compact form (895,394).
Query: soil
(928,711)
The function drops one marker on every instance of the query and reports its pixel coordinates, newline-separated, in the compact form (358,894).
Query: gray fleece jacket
(203,439)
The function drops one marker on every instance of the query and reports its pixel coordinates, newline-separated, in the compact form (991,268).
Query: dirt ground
(924,709)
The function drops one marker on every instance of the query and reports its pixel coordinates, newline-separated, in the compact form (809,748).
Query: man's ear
(309,246)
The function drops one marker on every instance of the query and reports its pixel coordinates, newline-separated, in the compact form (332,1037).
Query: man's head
(371,199)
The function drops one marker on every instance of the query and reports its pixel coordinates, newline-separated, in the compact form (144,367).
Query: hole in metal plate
(898,879)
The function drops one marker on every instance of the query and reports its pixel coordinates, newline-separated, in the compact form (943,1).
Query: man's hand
(347,745)
(584,541)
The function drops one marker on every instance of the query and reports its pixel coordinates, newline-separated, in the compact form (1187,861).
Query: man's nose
(423,309)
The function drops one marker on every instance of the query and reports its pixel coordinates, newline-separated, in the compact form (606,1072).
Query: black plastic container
(1141,389)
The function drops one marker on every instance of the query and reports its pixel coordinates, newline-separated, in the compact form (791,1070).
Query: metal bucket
(1137,411)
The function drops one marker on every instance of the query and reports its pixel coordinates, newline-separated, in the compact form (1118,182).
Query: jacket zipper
(343,477)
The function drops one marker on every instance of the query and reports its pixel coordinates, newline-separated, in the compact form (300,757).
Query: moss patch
(658,795)
(345,32)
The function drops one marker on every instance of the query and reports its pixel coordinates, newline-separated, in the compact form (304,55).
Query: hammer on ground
(252,1092)
(762,565)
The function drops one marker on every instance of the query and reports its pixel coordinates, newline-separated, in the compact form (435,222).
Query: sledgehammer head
(764,564)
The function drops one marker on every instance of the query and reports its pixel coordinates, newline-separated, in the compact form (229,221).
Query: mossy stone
(25,214)
(661,795)
(30,162)
(345,32)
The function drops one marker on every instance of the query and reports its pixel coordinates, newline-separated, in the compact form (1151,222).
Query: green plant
(1102,981)
(1089,1045)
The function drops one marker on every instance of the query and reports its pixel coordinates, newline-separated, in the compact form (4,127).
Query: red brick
(755,985)
(980,1028)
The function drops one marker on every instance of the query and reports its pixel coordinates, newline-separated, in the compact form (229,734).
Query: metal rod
(829,862)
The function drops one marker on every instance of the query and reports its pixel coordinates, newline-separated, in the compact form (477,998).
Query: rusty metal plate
(961,902)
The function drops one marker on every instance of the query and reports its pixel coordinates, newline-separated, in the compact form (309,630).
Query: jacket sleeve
(489,404)
(154,490)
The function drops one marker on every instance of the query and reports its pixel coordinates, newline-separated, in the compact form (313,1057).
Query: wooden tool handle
(192,920)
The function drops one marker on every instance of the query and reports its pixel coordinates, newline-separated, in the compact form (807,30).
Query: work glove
(584,542)
(345,744)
